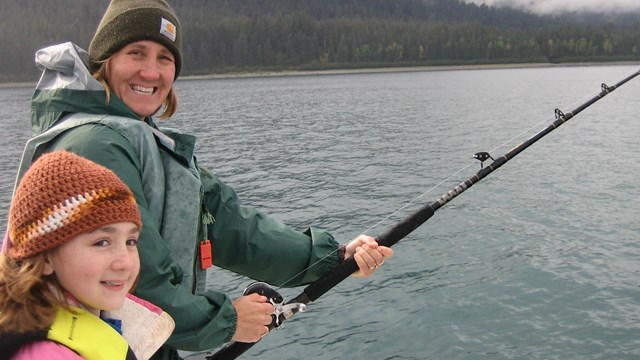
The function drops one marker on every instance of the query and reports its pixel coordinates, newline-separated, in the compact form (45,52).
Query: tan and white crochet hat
(61,196)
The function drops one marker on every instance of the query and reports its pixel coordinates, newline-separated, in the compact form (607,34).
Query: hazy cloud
(556,6)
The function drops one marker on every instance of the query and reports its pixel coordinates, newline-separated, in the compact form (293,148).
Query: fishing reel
(281,310)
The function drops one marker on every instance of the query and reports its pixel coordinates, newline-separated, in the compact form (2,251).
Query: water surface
(540,260)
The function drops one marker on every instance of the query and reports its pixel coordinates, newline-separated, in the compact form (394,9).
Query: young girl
(70,255)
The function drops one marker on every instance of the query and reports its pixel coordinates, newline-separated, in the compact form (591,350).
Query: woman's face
(141,74)
(98,268)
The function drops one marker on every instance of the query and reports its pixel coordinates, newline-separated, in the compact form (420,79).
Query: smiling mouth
(142,90)
(112,283)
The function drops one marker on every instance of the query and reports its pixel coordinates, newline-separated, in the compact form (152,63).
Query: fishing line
(472,163)
(422,302)
(377,224)
(313,291)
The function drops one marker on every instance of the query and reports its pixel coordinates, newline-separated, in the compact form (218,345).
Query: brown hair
(28,299)
(170,103)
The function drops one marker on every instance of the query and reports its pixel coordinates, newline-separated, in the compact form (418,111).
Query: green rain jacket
(181,204)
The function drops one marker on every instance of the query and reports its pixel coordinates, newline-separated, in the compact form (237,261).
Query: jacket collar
(66,86)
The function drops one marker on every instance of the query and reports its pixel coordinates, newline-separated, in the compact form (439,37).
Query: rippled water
(540,260)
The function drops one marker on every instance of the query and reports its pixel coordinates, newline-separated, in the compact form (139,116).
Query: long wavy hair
(170,103)
(28,299)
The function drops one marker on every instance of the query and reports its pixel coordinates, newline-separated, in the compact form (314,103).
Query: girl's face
(98,268)
(141,74)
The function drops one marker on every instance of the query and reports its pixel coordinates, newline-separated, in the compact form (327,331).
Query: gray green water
(541,260)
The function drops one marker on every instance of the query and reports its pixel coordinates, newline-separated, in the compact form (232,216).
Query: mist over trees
(249,35)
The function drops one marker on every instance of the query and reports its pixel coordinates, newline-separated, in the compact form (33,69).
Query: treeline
(241,35)
(298,41)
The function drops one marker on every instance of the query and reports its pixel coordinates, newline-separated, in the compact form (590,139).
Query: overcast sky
(549,6)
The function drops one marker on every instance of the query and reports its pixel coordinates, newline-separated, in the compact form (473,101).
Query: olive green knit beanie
(126,21)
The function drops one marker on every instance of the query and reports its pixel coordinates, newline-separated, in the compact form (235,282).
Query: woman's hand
(368,254)
(254,316)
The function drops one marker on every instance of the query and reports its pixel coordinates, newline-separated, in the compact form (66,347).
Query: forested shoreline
(222,36)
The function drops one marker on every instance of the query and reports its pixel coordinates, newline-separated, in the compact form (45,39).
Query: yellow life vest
(87,335)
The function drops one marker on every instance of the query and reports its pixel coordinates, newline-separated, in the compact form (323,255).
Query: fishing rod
(284,311)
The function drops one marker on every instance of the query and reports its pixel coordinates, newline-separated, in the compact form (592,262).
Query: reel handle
(272,295)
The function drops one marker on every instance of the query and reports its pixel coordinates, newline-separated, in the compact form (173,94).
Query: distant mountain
(233,35)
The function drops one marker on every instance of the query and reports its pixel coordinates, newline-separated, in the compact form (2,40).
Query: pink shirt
(46,349)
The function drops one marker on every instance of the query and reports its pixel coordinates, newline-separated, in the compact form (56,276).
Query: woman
(70,257)
(191,219)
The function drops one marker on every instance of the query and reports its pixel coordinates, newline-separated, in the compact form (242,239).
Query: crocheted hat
(126,21)
(61,196)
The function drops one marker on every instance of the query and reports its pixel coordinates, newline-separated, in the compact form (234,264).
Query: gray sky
(548,6)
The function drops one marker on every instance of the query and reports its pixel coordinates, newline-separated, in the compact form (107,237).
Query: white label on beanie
(168,29)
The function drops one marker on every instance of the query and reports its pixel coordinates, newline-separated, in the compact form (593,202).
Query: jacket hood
(66,86)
